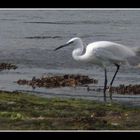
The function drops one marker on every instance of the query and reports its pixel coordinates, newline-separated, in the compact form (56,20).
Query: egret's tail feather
(135,61)
(136,49)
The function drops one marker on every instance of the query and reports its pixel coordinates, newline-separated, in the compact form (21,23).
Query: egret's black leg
(118,66)
(105,85)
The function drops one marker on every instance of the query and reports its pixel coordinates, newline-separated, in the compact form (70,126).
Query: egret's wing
(113,50)
(108,55)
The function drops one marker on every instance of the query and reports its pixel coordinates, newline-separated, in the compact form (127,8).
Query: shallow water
(29,37)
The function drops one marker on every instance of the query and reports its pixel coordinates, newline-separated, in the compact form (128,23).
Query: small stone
(114,124)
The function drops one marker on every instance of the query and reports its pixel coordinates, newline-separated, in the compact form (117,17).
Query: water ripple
(81,22)
(42,37)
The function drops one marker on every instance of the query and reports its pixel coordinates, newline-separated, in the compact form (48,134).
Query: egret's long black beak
(62,46)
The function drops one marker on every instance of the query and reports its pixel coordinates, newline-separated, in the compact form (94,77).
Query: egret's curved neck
(79,50)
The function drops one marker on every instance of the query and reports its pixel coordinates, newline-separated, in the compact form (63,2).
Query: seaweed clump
(58,81)
(126,89)
(7,66)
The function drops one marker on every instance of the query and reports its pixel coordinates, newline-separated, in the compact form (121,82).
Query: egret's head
(71,41)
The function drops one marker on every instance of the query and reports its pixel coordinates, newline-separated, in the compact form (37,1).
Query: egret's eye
(70,42)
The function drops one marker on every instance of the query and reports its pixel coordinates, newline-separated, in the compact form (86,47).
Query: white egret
(101,53)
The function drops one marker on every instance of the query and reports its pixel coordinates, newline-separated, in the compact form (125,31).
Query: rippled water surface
(27,38)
